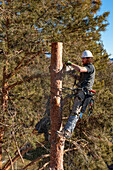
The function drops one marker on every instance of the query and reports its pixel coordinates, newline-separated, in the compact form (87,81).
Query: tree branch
(79,148)
(20,65)
(23,150)
(47,163)
(37,159)
(10,159)
(8,164)
(25,80)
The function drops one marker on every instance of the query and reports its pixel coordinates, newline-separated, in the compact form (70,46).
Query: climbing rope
(90,107)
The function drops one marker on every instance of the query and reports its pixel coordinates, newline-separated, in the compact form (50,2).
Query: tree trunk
(4,100)
(57,144)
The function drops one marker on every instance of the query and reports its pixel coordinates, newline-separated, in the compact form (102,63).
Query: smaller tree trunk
(4,100)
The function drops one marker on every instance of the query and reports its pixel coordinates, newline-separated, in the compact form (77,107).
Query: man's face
(84,60)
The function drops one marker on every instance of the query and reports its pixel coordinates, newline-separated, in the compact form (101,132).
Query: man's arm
(76,67)
(70,71)
(79,68)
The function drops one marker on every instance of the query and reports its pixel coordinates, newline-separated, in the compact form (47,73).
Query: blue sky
(107,36)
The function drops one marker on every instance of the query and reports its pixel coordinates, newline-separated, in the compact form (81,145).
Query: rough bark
(57,144)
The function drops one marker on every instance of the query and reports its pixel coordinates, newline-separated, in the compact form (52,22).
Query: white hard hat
(87,53)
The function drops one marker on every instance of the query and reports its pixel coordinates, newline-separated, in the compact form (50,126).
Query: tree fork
(57,144)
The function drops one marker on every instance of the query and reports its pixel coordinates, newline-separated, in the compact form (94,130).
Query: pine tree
(22,50)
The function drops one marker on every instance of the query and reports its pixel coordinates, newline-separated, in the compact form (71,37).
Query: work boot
(72,121)
(69,127)
(64,133)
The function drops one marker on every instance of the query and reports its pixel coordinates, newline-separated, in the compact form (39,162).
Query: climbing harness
(90,93)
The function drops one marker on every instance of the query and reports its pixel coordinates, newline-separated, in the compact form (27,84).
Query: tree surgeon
(83,94)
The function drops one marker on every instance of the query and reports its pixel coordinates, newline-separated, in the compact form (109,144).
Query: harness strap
(88,98)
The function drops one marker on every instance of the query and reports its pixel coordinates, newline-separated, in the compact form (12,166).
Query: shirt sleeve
(90,68)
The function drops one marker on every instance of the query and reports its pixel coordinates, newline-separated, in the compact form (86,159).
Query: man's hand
(68,63)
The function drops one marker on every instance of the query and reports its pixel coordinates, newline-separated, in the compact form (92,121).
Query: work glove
(68,63)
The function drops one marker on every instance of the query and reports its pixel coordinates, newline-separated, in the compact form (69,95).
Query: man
(83,95)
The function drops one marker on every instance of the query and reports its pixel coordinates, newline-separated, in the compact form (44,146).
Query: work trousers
(74,117)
